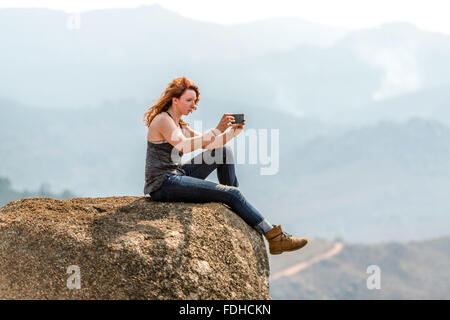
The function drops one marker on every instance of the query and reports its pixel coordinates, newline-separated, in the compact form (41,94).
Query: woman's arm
(193,133)
(173,134)
(220,138)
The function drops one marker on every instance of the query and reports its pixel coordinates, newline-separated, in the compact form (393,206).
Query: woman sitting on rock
(166,179)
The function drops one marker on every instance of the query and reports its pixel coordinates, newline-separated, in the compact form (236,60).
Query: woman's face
(186,103)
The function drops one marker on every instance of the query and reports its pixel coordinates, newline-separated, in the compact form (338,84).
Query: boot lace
(285,235)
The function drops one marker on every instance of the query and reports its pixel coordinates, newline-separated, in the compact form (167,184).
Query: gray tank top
(162,158)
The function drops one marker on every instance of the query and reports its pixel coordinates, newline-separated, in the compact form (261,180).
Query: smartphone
(238,118)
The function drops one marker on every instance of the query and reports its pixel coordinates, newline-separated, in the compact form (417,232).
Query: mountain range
(305,69)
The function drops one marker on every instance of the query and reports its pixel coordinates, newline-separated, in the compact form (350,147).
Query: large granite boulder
(128,248)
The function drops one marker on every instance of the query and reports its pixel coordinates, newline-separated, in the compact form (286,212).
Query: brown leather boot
(280,241)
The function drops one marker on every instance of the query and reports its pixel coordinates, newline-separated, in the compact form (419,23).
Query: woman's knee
(235,194)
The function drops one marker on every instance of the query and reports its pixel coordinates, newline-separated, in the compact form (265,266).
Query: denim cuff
(263,227)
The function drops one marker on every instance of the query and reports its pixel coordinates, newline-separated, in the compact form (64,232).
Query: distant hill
(413,270)
(431,103)
(308,69)
(8,193)
(130,52)
(375,183)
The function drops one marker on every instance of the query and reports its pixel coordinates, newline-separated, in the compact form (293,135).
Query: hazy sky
(426,14)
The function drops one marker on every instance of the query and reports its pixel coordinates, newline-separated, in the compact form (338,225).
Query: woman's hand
(238,127)
(225,122)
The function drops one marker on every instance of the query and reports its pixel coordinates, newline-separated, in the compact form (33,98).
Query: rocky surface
(128,248)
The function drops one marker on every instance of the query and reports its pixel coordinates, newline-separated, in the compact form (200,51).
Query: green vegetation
(7,193)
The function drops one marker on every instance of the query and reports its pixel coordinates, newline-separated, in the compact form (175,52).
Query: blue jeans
(193,187)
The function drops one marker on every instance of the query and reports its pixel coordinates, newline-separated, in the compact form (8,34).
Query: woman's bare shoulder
(160,115)
(159,119)
(154,130)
